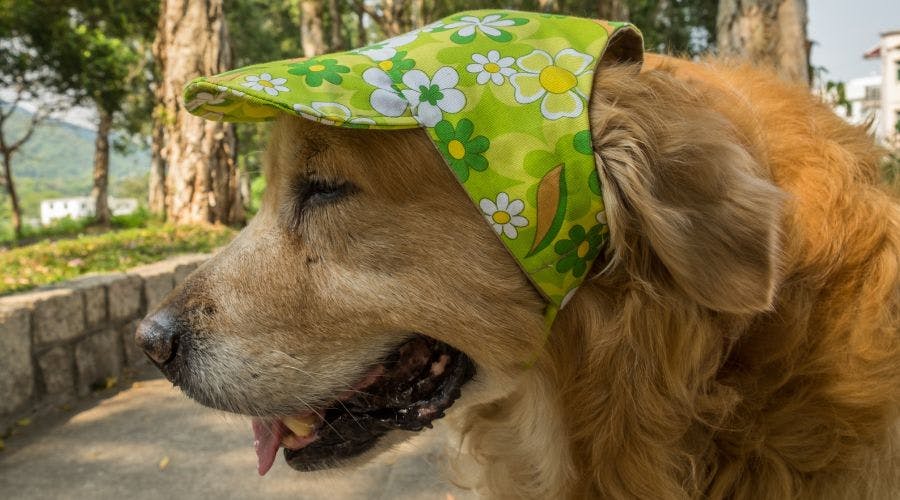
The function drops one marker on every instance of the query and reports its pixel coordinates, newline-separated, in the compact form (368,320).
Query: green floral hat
(503,95)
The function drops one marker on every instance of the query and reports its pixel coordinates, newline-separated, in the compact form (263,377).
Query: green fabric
(503,95)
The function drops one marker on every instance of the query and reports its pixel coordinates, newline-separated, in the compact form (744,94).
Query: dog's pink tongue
(267,435)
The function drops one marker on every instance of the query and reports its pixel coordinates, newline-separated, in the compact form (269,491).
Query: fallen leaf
(164,463)
(23,422)
(1,444)
(111,382)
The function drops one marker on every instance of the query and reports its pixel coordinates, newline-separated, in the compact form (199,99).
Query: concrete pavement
(150,442)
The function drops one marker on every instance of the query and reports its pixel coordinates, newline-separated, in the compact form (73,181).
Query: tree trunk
(198,154)
(393,21)
(361,37)
(337,26)
(418,14)
(156,196)
(13,197)
(766,32)
(311,36)
(612,10)
(100,192)
(548,6)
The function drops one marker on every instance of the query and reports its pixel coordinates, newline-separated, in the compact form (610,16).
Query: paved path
(151,442)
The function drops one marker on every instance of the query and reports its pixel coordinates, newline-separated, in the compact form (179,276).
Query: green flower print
(582,144)
(396,66)
(468,27)
(462,151)
(317,70)
(579,250)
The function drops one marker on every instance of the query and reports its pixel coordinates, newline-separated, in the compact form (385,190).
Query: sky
(843,30)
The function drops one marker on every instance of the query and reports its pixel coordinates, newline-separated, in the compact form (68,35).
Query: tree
(110,68)
(766,32)
(10,146)
(202,183)
(362,38)
(336,42)
(106,66)
(36,54)
(311,34)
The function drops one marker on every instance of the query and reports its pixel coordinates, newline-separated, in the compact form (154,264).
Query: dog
(738,337)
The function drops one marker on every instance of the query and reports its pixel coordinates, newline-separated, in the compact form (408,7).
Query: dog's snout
(158,336)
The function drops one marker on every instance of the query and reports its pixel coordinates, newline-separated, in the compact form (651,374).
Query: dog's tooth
(301,426)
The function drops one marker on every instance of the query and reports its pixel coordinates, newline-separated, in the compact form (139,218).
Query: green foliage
(263,30)
(257,188)
(53,261)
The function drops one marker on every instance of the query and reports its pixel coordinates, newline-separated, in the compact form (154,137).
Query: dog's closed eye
(311,192)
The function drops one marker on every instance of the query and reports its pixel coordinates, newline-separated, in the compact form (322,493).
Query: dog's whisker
(345,388)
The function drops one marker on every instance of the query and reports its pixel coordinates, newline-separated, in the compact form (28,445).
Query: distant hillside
(58,161)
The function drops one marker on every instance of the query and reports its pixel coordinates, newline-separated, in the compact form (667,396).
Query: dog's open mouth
(407,391)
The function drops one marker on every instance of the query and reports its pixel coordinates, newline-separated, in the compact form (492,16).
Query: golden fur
(739,340)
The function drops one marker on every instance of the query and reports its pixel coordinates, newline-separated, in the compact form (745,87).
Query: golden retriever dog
(738,339)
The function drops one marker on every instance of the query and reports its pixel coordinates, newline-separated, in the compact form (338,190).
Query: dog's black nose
(157,335)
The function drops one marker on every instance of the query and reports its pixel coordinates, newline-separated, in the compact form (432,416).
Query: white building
(864,96)
(83,206)
(888,50)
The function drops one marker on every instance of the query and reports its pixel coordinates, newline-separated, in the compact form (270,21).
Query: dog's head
(369,290)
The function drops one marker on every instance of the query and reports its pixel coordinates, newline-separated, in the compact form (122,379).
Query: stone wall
(58,342)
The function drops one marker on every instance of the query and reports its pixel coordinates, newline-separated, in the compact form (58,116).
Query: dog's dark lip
(422,378)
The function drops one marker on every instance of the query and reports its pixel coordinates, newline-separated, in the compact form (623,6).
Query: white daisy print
(487,25)
(385,99)
(503,215)
(387,49)
(554,81)
(430,98)
(331,113)
(206,98)
(491,67)
(265,83)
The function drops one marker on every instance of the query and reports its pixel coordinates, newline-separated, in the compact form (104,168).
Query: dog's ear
(687,204)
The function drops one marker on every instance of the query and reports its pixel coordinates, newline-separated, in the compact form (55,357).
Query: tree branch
(371,11)
(37,117)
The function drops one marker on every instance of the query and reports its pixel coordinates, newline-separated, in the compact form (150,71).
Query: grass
(51,261)
(68,227)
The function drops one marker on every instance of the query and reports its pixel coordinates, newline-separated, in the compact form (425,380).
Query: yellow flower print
(555,81)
